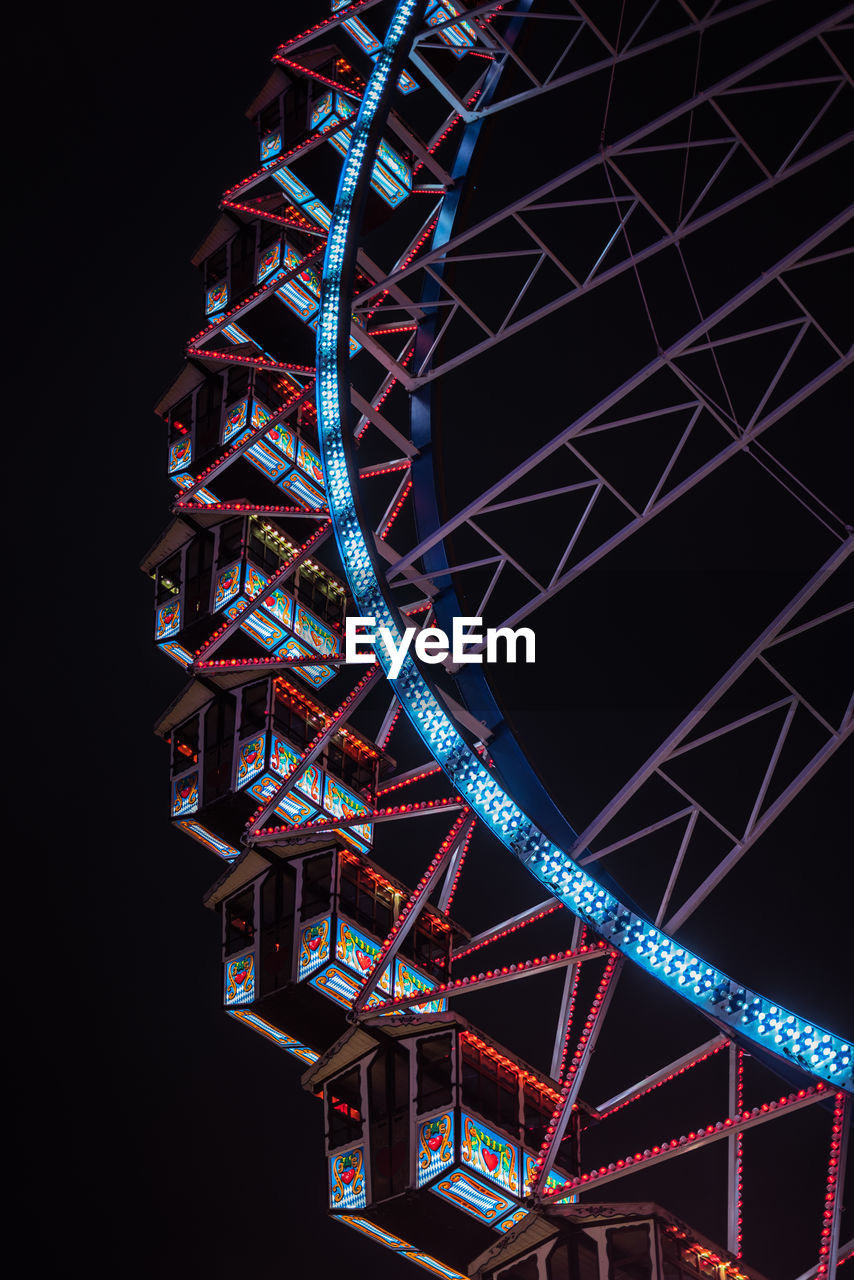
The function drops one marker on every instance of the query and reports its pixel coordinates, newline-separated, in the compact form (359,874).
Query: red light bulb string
(421,890)
(693,1139)
(832,1190)
(325,824)
(391,383)
(571,1011)
(329,722)
(370,472)
(462,859)
(398,507)
(492,977)
(276,219)
(577,1059)
(382,745)
(251,508)
(267,587)
(347,90)
(503,933)
(641,1093)
(739,1150)
(408,782)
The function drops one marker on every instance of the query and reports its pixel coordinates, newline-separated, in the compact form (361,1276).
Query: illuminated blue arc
(751,1017)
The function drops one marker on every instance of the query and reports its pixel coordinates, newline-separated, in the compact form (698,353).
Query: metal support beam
(367,410)
(690,722)
(665,359)
(575,1076)
(237,451)
(387,725)
(734,1153)
(507,926)
(498,977)
(702,1138)
(829,1247)
(287,570)
(650,1082)
(405,922)
(614,58)
(285,835)
(410,776)
(266,290)
(455,866)
(567,1004)
(846,1252)
(773,811)
(314,748)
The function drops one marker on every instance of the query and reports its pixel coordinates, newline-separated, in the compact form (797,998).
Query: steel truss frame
(462,246)
(486,799)
(741,438)
(687,738)
(484,30)
(477,795)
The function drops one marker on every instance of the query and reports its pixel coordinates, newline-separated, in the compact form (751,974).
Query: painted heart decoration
(314,943)
(347,1176)
(240,978)
(435,1142)
(364,960)
(490,1159)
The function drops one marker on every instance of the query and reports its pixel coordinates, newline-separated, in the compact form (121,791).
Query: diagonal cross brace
(497,977)
(690,722)
(575,1075)
(675,1068)
(528,916)
(405,922)
(703,1137)
(664,358)
(314,748)
(567,1005)
(316,827)
(264,291)
(237,451)
(455,867)
(287,570)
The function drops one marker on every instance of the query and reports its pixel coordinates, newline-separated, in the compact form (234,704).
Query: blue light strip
(751,1016)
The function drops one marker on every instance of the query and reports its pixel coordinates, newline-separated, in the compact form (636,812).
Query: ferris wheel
(583,266)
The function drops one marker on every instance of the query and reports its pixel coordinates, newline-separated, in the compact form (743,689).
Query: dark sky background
(166,1140)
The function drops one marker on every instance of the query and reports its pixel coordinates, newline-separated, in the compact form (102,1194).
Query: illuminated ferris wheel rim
(751,1017)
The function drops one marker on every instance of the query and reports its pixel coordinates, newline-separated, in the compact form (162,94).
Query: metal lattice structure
(670,211)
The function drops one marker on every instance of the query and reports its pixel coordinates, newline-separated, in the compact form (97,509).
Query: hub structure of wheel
(528,346)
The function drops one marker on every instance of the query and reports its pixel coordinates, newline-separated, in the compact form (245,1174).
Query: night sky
(167,1140)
